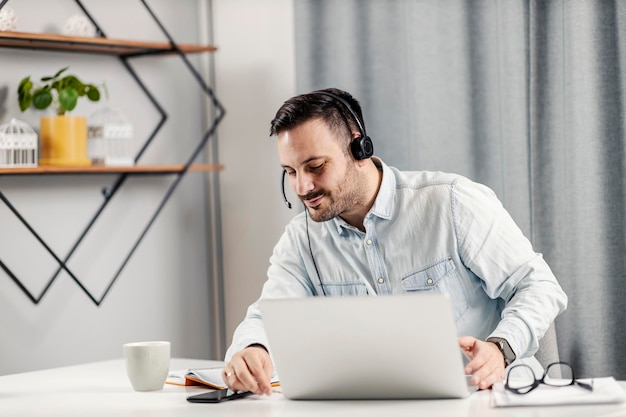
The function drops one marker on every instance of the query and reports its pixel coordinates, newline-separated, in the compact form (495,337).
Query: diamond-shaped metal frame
(117,184)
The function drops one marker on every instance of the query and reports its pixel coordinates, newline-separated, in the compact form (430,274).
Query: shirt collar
(384,202)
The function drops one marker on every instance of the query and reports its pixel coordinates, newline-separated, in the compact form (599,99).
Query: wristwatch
(505,348)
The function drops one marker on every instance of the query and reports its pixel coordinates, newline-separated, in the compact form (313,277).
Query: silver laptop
(383,347)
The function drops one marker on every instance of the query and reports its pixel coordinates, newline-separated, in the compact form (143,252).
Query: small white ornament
(18,145)
(110,138)
(79,25)
(8,19)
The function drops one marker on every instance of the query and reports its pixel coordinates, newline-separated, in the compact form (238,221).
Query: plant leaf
(25,101)
(71,81)
(61,71)
(25,85)
(68,98)
(24,96)
(92,93)
(42,99)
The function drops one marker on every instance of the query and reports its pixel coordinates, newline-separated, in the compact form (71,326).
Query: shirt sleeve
(494,248)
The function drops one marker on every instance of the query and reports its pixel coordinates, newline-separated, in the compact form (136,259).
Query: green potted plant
(63,138)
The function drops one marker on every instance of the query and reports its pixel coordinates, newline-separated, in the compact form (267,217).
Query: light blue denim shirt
(427,231)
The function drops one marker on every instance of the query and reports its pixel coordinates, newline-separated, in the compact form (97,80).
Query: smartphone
(218,396)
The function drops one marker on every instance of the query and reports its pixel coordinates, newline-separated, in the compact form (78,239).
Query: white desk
(102,389)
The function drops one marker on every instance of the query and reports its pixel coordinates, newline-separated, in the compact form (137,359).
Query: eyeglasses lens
(559,375)
(521,377)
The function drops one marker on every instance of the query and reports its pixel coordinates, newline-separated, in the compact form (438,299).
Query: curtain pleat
(579,155)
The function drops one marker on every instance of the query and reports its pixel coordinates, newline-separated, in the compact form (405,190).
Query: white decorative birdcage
(110,138)
(18,145)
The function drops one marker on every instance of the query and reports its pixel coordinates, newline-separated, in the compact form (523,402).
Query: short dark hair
(300,109)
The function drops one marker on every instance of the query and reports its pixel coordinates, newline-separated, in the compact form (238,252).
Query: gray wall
(163,291)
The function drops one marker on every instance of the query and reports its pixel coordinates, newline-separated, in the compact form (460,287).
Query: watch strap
(505,348)
(259,345)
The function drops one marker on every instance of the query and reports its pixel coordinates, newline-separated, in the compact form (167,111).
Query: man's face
(323,176)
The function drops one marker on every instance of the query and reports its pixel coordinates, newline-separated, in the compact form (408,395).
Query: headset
(361,146)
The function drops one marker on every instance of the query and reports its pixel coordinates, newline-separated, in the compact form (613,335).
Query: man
(378,230)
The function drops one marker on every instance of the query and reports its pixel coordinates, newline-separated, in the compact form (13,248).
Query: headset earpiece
(362,147)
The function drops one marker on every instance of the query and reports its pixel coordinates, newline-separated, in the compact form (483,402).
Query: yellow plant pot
(63,141)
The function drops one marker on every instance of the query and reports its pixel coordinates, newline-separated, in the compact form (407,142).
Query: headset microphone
(308,237)
(282,186)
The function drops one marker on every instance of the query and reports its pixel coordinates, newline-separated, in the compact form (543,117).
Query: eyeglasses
(521,378)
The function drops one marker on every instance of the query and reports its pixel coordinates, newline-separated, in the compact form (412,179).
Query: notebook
(383,347)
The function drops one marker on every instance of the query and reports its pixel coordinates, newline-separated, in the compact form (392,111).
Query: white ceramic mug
(147,364)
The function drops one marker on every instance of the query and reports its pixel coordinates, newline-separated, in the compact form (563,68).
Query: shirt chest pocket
(440,277)
(345,289)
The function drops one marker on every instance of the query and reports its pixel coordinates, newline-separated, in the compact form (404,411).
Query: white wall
(255,74)
(163,291)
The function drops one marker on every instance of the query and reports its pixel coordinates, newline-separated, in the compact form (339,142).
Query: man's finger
(246,381)
(466,342)
(492,378)
(261,380)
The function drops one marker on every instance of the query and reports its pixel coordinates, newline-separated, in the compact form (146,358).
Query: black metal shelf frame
(109,193)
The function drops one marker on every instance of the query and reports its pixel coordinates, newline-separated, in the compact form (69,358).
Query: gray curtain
(524,96)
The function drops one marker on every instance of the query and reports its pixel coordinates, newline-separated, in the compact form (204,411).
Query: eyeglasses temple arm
(585,385)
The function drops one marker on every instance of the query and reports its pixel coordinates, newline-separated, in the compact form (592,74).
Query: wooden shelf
(97,169)
(122,50)
(56,42)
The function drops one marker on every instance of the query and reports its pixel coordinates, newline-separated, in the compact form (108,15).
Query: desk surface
(102,389)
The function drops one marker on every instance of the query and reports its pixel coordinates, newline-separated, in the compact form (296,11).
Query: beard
(349,194)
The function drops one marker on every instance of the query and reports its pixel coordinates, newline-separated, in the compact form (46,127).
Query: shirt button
(381,280)
(429,281)
(368,241)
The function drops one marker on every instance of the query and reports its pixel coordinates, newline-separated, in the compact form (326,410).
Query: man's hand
(250,370)
(486,363)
